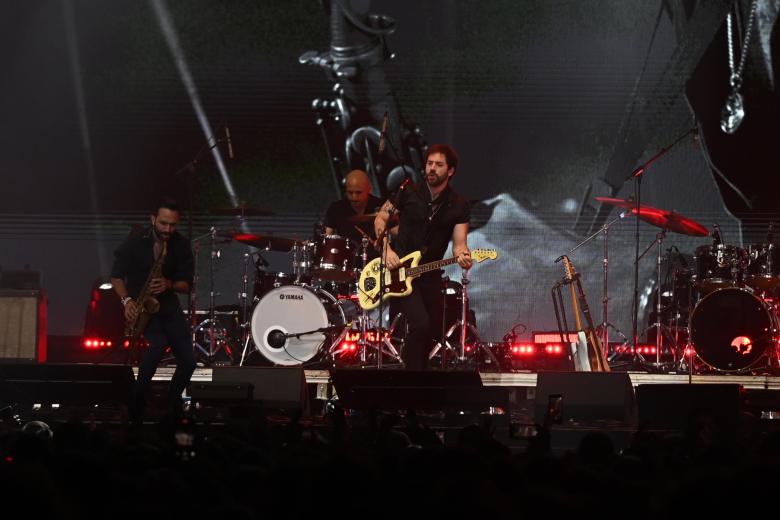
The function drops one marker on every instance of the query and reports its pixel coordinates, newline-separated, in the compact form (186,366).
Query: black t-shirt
(336,217)
(134,258)
(427,225)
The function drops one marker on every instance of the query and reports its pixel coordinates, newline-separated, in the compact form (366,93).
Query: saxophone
(147,303)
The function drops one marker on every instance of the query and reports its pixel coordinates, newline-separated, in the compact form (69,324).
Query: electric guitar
(589,352)
(398,282)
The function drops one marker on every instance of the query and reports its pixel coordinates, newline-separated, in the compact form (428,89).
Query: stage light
(554,349)
(523,349)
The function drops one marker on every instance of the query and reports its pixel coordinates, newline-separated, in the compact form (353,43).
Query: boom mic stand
(638,361)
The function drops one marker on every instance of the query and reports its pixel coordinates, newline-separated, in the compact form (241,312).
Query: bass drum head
(289,309)
(731,329)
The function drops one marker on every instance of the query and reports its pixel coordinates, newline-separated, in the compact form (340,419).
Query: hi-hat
(664,219)
(241,210)
(267,242)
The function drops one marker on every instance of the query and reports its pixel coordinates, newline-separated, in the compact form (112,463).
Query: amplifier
(22,325)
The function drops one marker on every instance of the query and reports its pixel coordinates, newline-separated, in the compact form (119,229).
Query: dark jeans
(164,330)
(423,312)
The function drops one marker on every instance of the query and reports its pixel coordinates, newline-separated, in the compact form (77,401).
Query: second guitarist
(431,215)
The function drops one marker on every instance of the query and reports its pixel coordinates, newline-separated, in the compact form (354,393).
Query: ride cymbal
(267,242)
(664,219)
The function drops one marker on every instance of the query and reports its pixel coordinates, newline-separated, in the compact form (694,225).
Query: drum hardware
(215,341)
(264,242)
(603,328)
(334,258)
(381,343)
(660,328)
(291,324)
(732,330)
(464,326)
(763,271)
(666,220)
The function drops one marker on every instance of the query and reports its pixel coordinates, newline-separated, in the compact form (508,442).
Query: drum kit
(721,315)
(306,313)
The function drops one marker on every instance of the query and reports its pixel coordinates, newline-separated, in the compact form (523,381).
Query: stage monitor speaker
(65,384)
(562,397)
(276,387)
(677,406)
(418,390)
(210,391)
(22,326)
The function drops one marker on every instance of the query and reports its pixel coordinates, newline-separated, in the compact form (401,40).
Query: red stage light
(554,349)
(523,349)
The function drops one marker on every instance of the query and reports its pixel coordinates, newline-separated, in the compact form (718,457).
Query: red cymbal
(664,219)
(268,242)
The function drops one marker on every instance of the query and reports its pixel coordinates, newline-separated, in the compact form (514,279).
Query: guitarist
(431,215)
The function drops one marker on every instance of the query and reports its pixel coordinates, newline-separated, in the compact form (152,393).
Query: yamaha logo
(291,297)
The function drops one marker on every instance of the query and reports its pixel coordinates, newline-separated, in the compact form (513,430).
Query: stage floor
(528,379)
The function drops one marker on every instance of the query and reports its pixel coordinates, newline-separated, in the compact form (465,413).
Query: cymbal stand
(243,296)
(465,326)
(603,329)
(212,319)
(659,327)
(382,344)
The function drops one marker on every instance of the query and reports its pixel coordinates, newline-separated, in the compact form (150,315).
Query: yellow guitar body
(369,298)
(398,282)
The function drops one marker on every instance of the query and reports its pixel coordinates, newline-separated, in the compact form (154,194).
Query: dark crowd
(380,466)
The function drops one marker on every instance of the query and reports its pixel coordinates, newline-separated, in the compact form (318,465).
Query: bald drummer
(358,201)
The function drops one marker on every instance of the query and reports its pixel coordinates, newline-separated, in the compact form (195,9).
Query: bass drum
(731,329)
(294,309)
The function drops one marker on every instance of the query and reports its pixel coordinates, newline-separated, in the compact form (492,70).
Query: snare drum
(732,329)
(334,259)
(719,266)
(295,309)
(763,271)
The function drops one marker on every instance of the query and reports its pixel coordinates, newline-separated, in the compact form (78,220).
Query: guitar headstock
(478,255)
(568,268)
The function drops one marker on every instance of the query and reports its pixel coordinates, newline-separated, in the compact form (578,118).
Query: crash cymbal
(267,242)
(369,217)
(241,211)
(664,219)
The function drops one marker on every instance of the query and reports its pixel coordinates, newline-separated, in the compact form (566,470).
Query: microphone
(770,237)
(397,197)
(382,134)
(229,143)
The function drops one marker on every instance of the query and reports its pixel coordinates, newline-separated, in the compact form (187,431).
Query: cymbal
(268,242)
(241,211)
(664,219)
(369,217)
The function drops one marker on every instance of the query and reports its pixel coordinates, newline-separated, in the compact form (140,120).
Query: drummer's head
(358,188)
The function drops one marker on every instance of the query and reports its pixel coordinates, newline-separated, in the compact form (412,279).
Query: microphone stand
(638,173)
(605,288)
(189,168)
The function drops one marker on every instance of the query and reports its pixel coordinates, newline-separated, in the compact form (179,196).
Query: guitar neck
(426,268)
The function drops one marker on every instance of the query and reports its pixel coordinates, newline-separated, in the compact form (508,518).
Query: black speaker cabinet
(418,390)
(65,384)
(277,387)
(584,396)
(677,406)
(22,326)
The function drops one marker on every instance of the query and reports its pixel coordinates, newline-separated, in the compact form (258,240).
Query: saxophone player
(134,259)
